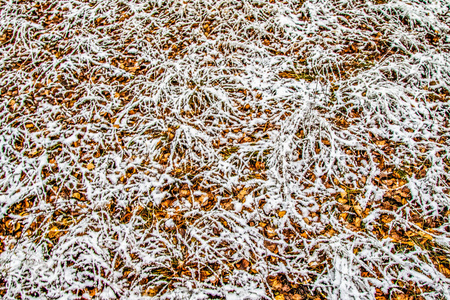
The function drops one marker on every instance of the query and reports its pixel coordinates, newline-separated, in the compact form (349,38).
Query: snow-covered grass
(224,149)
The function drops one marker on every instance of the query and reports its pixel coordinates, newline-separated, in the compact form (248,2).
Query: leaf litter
(224,149)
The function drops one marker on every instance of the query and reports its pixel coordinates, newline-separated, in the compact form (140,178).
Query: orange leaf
(281,213)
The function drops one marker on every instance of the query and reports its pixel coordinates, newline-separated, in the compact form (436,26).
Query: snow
(245,125)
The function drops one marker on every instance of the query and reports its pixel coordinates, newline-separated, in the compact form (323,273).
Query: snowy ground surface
(220,149)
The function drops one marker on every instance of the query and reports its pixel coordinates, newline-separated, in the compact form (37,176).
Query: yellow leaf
(279,297)
(76,196)
(281,213)
(90,166)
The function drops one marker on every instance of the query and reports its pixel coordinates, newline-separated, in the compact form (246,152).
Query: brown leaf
(270,231)
(243,264)
(275,284)
(272,247)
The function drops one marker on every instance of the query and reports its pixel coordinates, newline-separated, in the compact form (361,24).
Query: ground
(201,149)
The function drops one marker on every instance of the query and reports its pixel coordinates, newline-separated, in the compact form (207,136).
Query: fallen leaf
(185,193)
(425,235)
(281,213)
(272,247)
(93,292)
(224,223)
(280,297)
(203,199)
(275,284)
(444,271)
(90,166)
(342,200)
(358,209)
(260,165)
(330,233)
(243,264)
(53,232)
(402,297)
(242,194)
(213,279)
(270,232)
